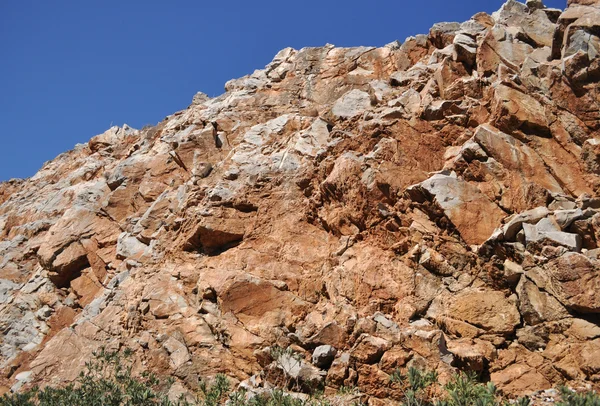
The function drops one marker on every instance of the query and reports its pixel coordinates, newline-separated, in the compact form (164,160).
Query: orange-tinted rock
(471,212)
(575,281)
(516,110)
(489,310)
(410,205)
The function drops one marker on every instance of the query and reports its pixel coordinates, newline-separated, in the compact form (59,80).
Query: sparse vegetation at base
(571,398)
(108,381)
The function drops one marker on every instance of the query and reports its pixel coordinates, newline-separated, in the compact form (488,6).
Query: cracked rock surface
(431,203)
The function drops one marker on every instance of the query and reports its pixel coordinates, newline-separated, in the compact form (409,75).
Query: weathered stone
(574,281)
(338,372)
(323,356)
(178,352)
(458,198)
(535,235)
(536,306)
(218,231)
(520,379)
(352,104)
(590,154)
(512,271)
(489,310)
(300,371)
(583,330)
(518,111)
(436,263)
(515,224)
(369,349)
(281,215)
(442,34)
(471,355)
(130,247)
(465,48)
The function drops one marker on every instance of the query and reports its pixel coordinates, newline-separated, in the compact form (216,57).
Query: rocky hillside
(432,203)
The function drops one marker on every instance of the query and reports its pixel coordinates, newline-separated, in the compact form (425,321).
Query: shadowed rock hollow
(432,203)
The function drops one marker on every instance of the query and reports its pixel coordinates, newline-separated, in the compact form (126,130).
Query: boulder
(442,34)
(575,281)
(515,224)
(515,110)
(369,349)
(352,104)
(489,310)
(323,356)
(465,49)
(338,372)
(533,234)
(472,213)
(178,352)
(536,306)
(473,355)
(583,330)
(129,247)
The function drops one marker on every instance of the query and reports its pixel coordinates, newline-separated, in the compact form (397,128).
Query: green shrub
(570,398)
(415,384)
(217,393)
(277,397)
(465,390)
(106,381)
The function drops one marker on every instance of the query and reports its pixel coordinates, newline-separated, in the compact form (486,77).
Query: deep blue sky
(70,69)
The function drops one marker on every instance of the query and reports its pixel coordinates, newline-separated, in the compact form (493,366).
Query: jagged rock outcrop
(431,203)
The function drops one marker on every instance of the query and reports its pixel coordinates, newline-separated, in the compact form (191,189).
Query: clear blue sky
(70,69)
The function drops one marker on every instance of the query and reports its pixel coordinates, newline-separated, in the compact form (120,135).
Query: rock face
(432,203)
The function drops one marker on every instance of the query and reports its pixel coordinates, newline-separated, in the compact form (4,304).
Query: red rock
(374,199)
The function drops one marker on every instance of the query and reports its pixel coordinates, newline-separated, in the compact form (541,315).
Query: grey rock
(581,40)
(24,376)
(352,104)
(6,289)
(200,98)
(44,313)
(438,109)
(564,218)
(323,356)
(465,48)
(567,240)
(547,225)
(471,151)
(509,10)
(472,28)
(561,202)
(178,352)
(296,368)
(313,141)
(394,45)
(130,247)
(511,228)
(202,169)
(441,34)
(384,321)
